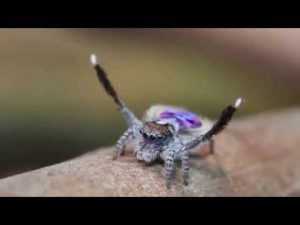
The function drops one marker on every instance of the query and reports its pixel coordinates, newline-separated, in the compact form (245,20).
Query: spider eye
(152,138)
(145,135)
(160,137)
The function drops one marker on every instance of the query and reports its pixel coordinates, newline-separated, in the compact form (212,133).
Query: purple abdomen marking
(184,119)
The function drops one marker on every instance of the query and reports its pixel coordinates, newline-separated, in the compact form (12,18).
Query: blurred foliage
(53,108)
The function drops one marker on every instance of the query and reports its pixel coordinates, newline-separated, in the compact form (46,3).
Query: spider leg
(103,78)
(169,167)
(120,146)
(130,118)
(185,167)
(218,126)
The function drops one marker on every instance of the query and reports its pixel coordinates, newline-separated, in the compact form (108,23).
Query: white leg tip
(238,102)
(93,59)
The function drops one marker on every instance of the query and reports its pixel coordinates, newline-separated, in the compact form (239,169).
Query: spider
(166,132)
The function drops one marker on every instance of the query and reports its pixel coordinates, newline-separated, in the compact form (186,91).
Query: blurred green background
(53,108)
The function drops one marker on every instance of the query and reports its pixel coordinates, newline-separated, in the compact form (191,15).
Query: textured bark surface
(254,156)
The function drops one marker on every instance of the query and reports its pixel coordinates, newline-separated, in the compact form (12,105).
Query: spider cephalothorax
(154,132)
(166,132)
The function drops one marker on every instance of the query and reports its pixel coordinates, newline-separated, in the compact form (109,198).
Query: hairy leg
(108,87)
(185,167)
(169,166)
(120,146)
(218,126)
(130,117)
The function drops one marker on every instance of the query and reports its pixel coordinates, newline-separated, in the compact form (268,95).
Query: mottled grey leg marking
(138,152)
(129,116)
(169,167)
(185,167)
(120,146)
